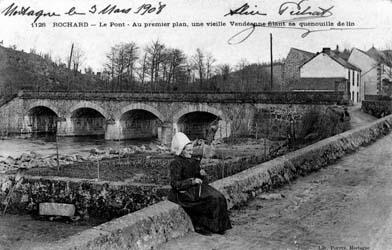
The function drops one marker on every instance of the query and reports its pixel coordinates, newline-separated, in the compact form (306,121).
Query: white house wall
(369,72)
(354,85)
(370,82)
(322,66)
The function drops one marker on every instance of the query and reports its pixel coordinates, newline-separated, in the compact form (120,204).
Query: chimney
(326,50)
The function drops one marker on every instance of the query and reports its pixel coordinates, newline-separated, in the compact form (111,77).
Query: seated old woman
(206,206)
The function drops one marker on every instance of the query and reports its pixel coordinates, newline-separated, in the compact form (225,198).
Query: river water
(46,145)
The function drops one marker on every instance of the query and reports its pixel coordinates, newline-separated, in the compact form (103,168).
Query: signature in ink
(15,10)
(297,9)
(244,34)
(73,12)
(243,10)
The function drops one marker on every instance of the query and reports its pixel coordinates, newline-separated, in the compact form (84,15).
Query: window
(353,78)
(358,79)
(349,76)
(357,96)
(352,96)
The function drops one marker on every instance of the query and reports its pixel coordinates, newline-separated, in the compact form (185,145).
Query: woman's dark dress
(208,211)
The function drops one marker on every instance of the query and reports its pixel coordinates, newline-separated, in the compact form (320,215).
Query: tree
(198,64)
(131,56)
(176,61)
(143,69)
(121,62)
(77,58)
(154,56)
(210,60)
(242,68)
(224,70)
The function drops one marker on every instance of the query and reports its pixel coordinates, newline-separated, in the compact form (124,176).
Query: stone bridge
(119,116)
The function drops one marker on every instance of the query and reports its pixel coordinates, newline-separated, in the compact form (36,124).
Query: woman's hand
(203,172)
(197,181)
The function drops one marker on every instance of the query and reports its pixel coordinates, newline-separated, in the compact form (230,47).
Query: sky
(372,21)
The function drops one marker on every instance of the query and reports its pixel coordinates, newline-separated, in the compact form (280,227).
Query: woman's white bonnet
(178,143)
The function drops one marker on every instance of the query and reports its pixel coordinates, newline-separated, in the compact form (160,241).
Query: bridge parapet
(277,97)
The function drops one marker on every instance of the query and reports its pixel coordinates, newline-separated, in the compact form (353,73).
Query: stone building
(291,73)
(327,64)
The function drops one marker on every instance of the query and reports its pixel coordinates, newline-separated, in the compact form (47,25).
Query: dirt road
(346,204)
(23,232)
(359,118)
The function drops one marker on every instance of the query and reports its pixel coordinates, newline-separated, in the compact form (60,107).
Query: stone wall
(106,200)
(11,117)
(195,97)
(378,108)
(142,230)
(295,58)
(275,121)
(296,121)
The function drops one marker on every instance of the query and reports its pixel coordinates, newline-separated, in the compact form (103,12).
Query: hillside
(21,70)
(251,78)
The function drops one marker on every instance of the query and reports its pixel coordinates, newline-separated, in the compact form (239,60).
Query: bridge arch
(41,118)
(139,120)
(87,119)
(198,121)
(89,105)
(46,104)
(198,108)
(141,106)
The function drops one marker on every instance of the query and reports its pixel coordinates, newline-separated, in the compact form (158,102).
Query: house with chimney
(375,73)
(327,71)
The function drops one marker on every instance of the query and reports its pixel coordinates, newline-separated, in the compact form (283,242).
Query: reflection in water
(45,144)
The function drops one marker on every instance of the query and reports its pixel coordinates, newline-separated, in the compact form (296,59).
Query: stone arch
(198,108)
(90,105)
(141,106)
(46,104)
(224,127)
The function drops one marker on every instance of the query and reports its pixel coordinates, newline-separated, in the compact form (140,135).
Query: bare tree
(224,70)
(121,62)
(77,58)
(154,58)
(143,69)
(109,66)
(131,55)
(242,68)
(176,60)
(198,64)
(210,60)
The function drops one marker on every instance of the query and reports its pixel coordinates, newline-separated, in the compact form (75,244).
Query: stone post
(63,126)
(165,133)
(224,130)
(26,126)
(112,130)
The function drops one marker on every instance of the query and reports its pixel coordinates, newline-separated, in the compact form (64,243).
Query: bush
(319,125)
